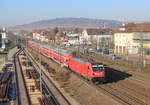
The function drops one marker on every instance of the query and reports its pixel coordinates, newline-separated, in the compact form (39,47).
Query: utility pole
(59,53)
(97,43)
(141,50)
(40,71)
(127,46)
(78,46)
(25,47)
(26,42)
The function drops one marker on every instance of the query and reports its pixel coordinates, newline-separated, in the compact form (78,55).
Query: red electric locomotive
(90,69)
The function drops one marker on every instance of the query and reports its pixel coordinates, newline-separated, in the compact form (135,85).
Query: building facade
(101,37)
(132,38)
(40,35)
(73,38)
(3,39)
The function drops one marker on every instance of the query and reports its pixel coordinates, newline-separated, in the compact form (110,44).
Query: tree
(76,30)
(55,33)
(56,30)
(62,34)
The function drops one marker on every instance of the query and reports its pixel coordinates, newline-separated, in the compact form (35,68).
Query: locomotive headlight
(100,73)
(94,73)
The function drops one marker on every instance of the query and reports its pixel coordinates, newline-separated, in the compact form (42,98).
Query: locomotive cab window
(97,68)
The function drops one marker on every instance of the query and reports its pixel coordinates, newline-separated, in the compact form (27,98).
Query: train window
(65,60)
(97,68)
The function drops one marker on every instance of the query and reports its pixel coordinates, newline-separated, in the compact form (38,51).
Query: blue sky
(15,12)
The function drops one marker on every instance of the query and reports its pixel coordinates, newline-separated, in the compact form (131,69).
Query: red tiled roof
(139,27)
(39,31)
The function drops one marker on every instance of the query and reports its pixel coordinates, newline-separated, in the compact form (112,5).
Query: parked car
(90,50)
(114,56)
(99,50)
(105,51)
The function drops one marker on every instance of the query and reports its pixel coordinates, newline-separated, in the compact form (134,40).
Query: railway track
(122,97)
(141,81)
(131,87)
(136,75)
(22,93)
(5,82)
(46,93)
(125,96)
(56,95)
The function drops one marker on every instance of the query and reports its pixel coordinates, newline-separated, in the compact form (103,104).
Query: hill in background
(68,22)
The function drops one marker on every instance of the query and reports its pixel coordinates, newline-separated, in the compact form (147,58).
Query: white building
(127,39)
(89,36)
(123,43)
(73,38)
(39,35)
(3,37)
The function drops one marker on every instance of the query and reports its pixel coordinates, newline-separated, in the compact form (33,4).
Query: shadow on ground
(113,75)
